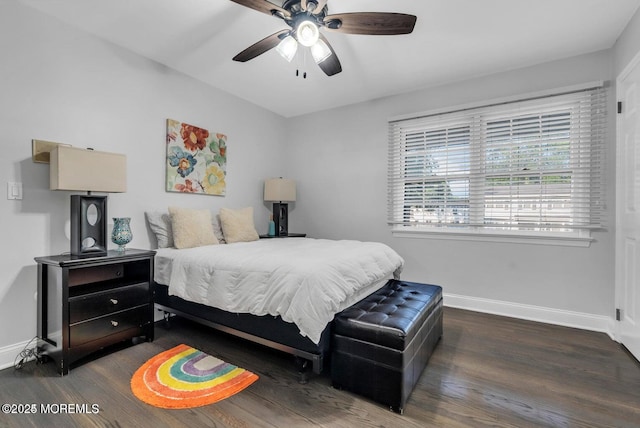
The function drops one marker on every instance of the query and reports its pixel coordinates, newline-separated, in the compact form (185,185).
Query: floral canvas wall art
(196,160)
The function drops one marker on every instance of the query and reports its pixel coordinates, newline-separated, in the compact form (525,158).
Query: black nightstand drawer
(93,274)
(106,302)
(98,328)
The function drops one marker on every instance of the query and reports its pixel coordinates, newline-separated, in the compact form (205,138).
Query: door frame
(620,204)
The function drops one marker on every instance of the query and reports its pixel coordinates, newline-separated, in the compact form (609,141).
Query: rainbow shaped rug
(184,377)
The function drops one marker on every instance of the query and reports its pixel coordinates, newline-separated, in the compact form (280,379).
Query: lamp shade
(72,168)
(287,48)
(280,190)
(320,51)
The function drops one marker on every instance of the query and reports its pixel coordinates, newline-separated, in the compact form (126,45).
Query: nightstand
(289,235)
(87,304)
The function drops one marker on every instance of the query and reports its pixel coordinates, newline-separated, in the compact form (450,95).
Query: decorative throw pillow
(160,224)
(191,228)
(237,225)
(217,229)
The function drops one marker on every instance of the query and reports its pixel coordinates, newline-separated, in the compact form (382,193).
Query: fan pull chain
(302,59)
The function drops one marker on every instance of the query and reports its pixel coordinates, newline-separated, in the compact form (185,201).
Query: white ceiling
(453,40)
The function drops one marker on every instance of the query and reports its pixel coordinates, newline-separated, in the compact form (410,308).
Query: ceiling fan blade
(261,47)
(264,6)
(320,4)
(331,65)
(375,23)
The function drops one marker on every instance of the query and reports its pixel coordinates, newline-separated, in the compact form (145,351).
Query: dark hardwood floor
(486,371)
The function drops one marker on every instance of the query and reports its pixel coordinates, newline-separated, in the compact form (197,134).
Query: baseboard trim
(9,353)
(564,318)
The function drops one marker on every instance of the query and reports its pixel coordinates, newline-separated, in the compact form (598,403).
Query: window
(533,166)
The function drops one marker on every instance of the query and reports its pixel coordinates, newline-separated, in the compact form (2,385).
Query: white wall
(342,194)
(628,44)
(63,85)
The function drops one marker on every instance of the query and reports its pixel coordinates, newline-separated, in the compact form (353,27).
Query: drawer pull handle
(114,301)
(114,323)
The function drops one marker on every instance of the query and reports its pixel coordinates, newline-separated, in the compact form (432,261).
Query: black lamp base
(281,218)
(88,234)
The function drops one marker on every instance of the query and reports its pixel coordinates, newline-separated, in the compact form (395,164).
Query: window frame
(477,229)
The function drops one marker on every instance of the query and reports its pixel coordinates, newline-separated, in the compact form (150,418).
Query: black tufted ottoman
(382,343)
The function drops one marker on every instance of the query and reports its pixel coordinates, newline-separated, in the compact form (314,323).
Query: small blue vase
(121,234)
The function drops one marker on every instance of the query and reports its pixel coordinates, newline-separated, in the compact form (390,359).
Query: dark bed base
(266,330)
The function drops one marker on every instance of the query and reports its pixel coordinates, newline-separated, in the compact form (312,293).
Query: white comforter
(305,281)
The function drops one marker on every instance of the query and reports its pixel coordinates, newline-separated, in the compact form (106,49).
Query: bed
(282,293)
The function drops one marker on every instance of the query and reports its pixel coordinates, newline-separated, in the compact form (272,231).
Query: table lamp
(90,171)
(280,191)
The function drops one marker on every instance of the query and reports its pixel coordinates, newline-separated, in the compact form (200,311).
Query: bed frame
(267,330)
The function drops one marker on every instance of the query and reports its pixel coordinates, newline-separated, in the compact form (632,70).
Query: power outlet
(14,190)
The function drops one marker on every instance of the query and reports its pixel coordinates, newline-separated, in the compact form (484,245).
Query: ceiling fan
(307,17)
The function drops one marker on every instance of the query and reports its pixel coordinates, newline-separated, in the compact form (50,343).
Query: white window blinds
(534,165)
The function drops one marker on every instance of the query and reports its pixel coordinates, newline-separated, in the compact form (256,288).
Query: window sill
(570,239)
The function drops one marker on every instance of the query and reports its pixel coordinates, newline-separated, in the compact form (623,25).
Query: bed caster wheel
(303,370)
(398,410)
(166,320)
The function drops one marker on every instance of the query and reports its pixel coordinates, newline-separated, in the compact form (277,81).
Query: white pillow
(191,228)
(237,225)
(160,224)
(217,229)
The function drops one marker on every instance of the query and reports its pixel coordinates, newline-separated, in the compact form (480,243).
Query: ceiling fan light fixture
(307,33)
(307,17)
(287,48)
(320,51)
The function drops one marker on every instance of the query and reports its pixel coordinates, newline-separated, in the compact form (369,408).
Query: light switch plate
(14,190)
